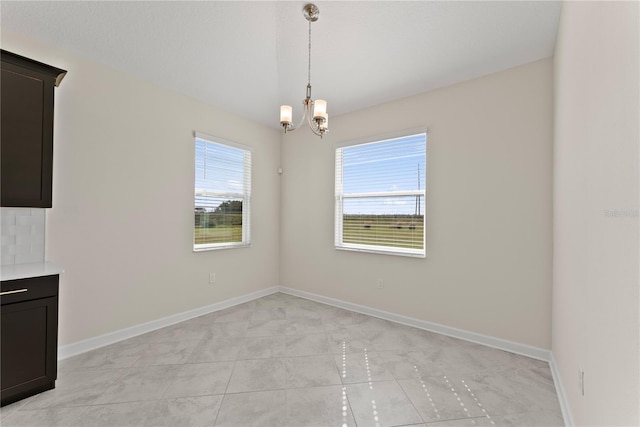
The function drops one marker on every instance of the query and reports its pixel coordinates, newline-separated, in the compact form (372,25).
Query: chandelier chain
(309,71)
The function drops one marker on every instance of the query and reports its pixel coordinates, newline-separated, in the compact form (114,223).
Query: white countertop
(24,271)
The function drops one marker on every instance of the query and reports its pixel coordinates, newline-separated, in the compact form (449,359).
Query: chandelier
(315,112)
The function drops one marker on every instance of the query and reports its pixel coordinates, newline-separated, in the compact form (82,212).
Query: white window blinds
(380,196)
(222,194)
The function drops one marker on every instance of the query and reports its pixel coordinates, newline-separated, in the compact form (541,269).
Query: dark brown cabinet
(26,144)
(28,337)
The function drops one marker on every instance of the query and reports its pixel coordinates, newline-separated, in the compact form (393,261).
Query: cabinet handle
(17,291)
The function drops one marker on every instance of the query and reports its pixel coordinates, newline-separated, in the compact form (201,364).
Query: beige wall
(595,297)
(488,207)
(122,216)
(121,222)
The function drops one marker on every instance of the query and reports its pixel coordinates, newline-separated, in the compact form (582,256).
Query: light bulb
(286,114)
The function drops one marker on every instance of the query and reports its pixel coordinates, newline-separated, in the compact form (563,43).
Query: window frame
(245,194)
(340,197)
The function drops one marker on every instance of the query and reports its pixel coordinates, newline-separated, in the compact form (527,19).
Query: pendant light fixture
(315,112)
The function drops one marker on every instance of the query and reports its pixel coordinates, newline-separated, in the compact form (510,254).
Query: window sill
(220,247)
(382,251)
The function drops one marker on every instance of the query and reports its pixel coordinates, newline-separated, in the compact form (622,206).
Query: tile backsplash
(22,232)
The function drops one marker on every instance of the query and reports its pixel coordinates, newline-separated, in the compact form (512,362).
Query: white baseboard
(78,347)
(560,391)
(506,345)
(73,349)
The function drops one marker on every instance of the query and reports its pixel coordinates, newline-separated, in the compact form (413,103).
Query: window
(222,194)
(380,196)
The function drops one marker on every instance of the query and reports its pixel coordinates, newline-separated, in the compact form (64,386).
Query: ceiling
(249,57)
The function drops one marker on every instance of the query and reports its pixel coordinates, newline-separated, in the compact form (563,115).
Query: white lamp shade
(286,114)
(320,109)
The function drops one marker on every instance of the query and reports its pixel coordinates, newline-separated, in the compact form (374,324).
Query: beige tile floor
(286,361)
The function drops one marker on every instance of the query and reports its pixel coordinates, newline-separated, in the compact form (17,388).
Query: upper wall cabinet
(27,130)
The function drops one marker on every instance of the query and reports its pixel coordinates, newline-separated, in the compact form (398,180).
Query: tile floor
(286,361)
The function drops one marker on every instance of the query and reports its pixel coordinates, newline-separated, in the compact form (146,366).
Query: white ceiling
(249,57)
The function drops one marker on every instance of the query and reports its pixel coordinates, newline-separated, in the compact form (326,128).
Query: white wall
(122,217)
(595,277)
(488,209)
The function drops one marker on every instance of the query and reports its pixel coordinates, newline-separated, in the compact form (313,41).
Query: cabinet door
(27,143)
(29,348)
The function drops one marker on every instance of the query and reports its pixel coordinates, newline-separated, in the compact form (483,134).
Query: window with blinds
(222,194)
(380,196)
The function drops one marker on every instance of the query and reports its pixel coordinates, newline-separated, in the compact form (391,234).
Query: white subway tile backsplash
(26,239)
(19,249)
(38,252)
(17,211)
(23,235)
(9,230)
(28,220)
(6,220)
(38,247)
(30,257)
(8,240)
(38,213)
(37,229)
(21,229)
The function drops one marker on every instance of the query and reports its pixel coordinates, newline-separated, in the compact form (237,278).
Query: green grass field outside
(394,231)
(384,230)
(217,235)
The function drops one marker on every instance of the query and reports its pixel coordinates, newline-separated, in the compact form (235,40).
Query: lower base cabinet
(28,337)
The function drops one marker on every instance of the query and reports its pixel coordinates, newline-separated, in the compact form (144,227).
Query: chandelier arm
(305,115)
(320,133)
(309,121)
(315,127)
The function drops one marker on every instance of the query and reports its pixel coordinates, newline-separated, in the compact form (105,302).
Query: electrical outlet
(380,284)
(581,381)
(212,278)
